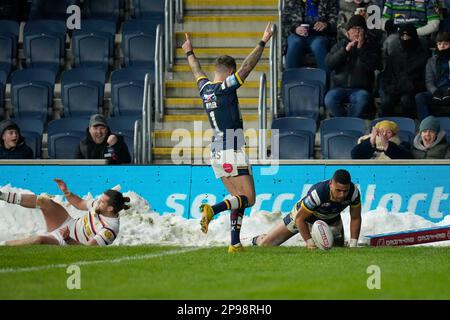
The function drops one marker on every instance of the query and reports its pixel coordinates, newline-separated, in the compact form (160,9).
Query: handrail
(273,62)
(159,77)
(262,118)
(179,11)
(169,34)
(147,127)
(137,142)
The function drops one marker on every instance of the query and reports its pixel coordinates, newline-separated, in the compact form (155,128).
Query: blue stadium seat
(9,33)
(102,9)
(301,99)
(50,9)
(2,87)
(32,130)
(127,90)
(125,126)
(105,27)
(138,43)
(144,9)
(82,91)
(295,137)
(339,135)
(74,124)
(407,127)
(6,53)
(32,92)
(64,135)
(315,75)
(44,43)
(445,125)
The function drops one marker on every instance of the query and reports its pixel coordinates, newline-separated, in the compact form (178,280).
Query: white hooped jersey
(94,226)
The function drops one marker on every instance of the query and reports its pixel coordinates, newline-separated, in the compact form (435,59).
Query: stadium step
(182,71)
(219,5)
(225,23)
(194,105)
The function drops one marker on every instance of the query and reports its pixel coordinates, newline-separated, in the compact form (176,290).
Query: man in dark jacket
(404,75)
(437,78)
(353,61)
(12,144)
(100,143)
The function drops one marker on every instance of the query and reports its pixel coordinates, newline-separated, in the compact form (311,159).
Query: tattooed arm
(253,58)
(192,59)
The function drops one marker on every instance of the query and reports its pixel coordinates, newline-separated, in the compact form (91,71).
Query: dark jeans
(359,101)
(297,46)
(423,100)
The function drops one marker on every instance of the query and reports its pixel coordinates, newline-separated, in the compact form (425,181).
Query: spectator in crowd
(430,142)
(437,78)
(100,143)
(308,24)
(348,8)
(381,144)
(424,15)
(354,61)
(404,74)
(12,145)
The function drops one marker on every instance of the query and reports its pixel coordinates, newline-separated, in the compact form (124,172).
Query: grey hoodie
(440,149)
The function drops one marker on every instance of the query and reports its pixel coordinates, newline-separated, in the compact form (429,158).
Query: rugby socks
(235,202)
(11,197)
(236,222)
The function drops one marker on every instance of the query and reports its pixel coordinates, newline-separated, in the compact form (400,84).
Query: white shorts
(227,163)
(55,233)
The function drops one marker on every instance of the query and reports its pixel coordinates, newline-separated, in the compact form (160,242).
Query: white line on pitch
(84,263)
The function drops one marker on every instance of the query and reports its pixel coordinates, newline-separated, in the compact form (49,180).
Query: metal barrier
(159,77)
(169,34)
(262,118)
(273,63)
(179,11)
(137,142)
(147,127)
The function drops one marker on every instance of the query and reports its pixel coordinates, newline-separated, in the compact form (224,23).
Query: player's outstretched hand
(267,33)
(187,45)
(61,184)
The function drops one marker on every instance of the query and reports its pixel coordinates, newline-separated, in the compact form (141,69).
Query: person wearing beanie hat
(437,79)
(12,144)
(382,143)
(431,141)
(424,15)
(348,8)
(404,75)
(353,61)
(101,143)
(307,24)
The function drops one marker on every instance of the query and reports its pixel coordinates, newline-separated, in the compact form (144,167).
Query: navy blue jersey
(318,201)
(221,104)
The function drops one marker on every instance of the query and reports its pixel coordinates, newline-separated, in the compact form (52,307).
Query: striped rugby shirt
(318,201)
(94,226)
(417,12)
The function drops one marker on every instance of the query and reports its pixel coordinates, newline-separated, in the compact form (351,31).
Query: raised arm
(253,58)
(73,199)
(192,59)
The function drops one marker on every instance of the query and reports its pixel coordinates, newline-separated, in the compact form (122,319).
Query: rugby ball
(322,235)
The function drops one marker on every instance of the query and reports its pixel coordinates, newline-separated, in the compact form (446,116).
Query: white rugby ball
(322,235)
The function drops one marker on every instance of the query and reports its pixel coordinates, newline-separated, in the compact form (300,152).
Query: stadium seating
(127,90)
(295,137)
(138,43)
(339,135)
(445,125)
(64,135)
(407,127)
(50,9)
(44,43)
(93,44)
(102,9)
(32,130)
(2,87)
(82,91)
(9,32)
(302,91)
(32,92)
(124,126)
(153,10)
